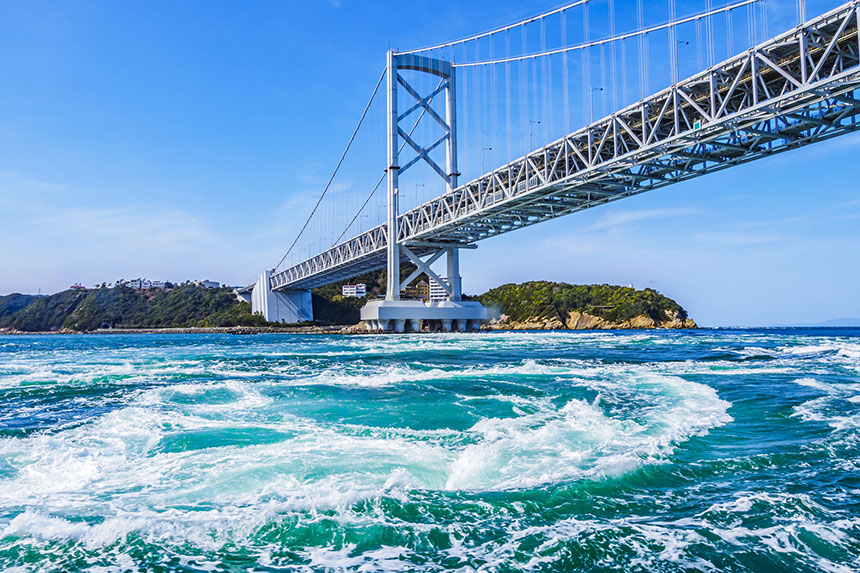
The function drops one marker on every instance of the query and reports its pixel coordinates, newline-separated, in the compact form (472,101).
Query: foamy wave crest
(839,407)
(582,440)
(367,375)
(843,352)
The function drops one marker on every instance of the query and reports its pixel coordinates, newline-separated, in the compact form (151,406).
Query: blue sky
(186,140)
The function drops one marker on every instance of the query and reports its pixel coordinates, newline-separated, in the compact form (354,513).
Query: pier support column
(454,280)
(397,315)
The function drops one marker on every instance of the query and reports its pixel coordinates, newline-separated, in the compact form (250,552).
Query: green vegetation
(121,307)
(14,303)
(542,299)
(184,306)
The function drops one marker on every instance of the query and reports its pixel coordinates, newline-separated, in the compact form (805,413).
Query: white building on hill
(437,291)
(348,291)
(138,284)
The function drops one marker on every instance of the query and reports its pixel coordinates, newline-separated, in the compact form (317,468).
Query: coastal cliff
(543,305)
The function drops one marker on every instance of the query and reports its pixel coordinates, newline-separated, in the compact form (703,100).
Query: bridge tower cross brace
(444,70)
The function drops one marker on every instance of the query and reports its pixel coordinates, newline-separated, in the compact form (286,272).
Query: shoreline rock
(584,321)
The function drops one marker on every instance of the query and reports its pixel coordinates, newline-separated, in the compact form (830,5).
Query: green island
(549,305)
(539,305)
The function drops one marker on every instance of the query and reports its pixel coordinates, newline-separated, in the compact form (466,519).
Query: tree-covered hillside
(13,303)
(542,299)
(122,307)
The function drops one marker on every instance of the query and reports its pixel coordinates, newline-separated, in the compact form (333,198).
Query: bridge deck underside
(794,90)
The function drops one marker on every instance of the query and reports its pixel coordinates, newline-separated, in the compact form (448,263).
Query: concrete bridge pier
(289,306)
(396,315)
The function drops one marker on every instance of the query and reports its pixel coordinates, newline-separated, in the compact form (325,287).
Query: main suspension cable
(336,169)
(499,30)
(381,179)
(582,46)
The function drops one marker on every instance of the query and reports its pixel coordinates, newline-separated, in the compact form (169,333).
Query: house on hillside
(353,291)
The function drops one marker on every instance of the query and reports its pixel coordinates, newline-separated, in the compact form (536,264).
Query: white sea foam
(370,376)
(239,396)
(804,517)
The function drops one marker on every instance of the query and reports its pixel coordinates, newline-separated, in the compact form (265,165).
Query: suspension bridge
(775,94)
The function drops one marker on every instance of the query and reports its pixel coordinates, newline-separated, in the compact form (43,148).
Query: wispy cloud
(623,219)
(14,187)
(157,228)
(737,238)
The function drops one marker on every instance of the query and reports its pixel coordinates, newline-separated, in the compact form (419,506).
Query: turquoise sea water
(726,450)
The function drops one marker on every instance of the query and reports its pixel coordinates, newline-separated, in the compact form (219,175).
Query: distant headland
(543,305)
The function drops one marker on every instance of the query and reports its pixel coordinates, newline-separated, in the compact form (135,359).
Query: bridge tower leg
(392,313)
(451,182)
(392,289)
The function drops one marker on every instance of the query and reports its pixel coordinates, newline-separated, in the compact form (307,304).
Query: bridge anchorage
(797,88)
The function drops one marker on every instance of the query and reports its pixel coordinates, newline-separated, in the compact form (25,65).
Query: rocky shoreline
(584,321)
(573,321)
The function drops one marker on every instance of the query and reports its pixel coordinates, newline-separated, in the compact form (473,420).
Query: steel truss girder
(795,89)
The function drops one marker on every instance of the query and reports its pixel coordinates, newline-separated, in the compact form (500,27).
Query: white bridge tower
(393,313)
